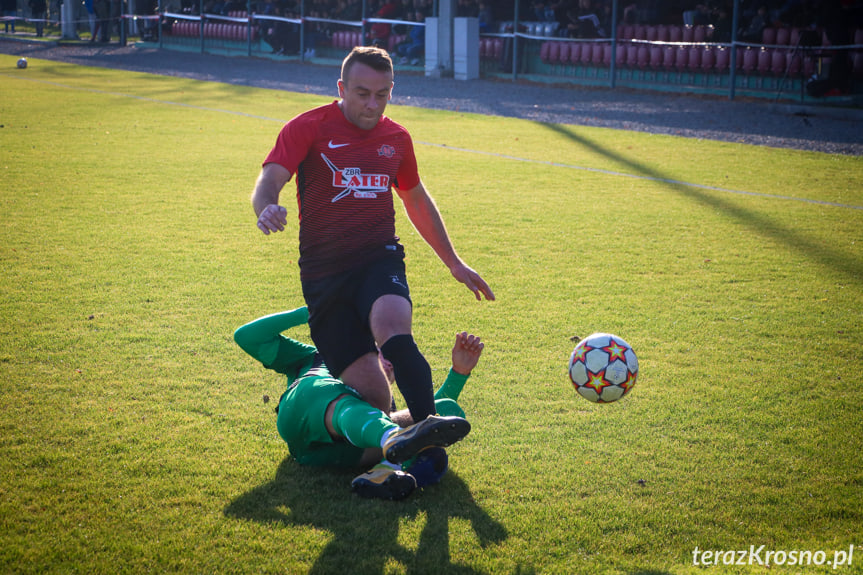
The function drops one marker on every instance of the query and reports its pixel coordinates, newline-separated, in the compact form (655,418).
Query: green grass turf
(133,433)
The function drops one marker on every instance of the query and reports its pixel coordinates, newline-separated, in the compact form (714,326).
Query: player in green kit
(327,423)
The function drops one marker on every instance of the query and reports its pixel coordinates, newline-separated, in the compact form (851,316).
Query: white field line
(456,149)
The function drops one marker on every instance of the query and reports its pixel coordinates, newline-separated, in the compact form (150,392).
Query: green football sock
(448,407)
(360,423)
(452,387)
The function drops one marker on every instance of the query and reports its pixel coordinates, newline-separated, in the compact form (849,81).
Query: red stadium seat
(747,60)
(694,58)
(656,56)
(563,55)
(688,34)
(544,50)
(586,53)
(597,53)
(626,32)
(675,34)
(681,57)
(765,59)
(795,64)
(779,61)
(669,53)
(723,58)
(699,34)
(768,36)
(708,59)
(575,52)
(620,55)
(639,32)
(631,55)
(497,43)
(783,36)
(642,56)
(606,53)
(662,33)
(554,53)
(650,33)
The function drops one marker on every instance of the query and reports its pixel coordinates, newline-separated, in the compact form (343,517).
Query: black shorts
(339,308)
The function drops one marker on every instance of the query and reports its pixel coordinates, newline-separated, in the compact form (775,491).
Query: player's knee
(367,377)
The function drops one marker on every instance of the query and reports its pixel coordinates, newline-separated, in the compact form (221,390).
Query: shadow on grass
(758,223)
(365,532)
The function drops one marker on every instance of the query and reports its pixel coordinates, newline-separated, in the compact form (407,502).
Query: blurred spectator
(582,20)
(486,18)
(722,26)
(379,32)
(699,16)
(10,10)
(232,6)
(467,9)
(102,8)
(91,16)
(834,18)
(754,29)
(38,11)
(283,37)
(412,49)
(542,11)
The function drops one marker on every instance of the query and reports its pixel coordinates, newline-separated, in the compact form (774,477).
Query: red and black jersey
(344,176)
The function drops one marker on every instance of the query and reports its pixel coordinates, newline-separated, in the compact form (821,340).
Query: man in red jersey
(347,158)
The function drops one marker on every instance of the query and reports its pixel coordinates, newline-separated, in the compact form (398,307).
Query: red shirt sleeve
(293,143)
(408,176)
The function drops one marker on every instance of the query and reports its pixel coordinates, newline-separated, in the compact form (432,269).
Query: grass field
(133,433)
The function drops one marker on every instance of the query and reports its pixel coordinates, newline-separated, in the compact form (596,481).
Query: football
(22,62)
(603,368)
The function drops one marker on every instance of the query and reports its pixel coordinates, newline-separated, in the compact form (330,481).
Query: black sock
(412,373)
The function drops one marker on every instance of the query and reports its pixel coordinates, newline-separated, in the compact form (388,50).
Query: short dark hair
(375,58)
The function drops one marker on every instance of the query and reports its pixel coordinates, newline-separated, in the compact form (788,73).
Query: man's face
(365,93)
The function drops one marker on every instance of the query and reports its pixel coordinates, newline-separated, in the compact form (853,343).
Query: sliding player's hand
(466,352)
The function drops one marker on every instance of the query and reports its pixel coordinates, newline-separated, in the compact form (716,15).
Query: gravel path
(818,128)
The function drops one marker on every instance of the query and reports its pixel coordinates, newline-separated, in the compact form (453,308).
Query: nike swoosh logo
(333,146)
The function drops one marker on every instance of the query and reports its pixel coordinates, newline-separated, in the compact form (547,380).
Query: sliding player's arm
(263,340)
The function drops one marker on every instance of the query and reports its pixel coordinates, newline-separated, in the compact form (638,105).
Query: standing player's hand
(473,281)
(273,218)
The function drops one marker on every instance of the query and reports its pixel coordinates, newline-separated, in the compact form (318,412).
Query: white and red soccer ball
(603,367)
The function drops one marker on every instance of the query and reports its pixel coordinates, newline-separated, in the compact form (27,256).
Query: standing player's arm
(426,218)
(265,198)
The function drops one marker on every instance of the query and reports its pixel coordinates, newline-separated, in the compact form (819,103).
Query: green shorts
(301,423)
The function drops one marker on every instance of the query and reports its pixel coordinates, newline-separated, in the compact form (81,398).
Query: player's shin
(361,424)
(412,373)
